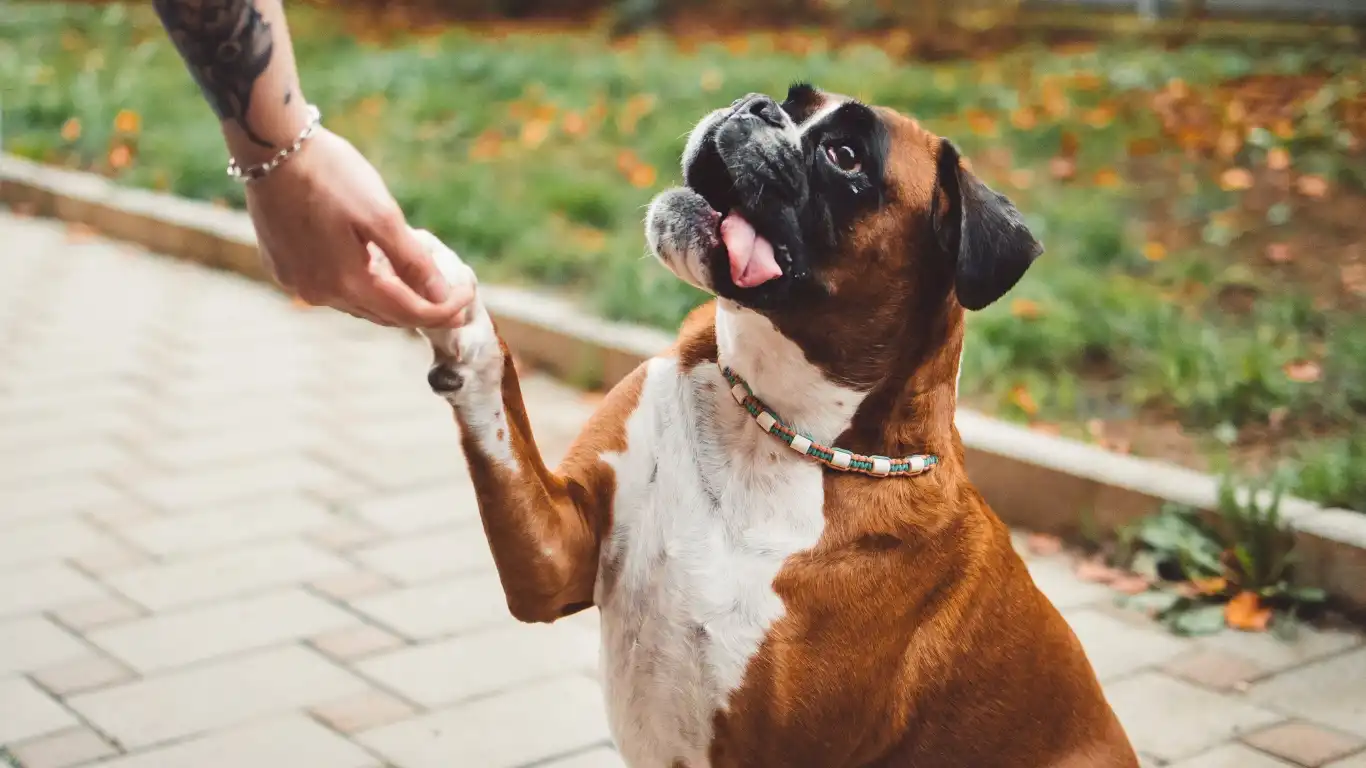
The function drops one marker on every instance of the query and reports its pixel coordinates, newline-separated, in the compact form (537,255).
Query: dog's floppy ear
(982,230)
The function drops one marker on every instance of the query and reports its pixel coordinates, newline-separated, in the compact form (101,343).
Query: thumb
(410,260)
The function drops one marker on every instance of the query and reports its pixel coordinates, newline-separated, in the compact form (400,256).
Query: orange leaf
(120,157)
(574,125)
(1303,371)
(1154,251)
(1100,117)
(1278,159)
(1043,544)
(1312,186)
(1062,168)
(127,121)
(1024,119)
(1025,308)
(1211,586)
(1108,178)
(1143,147)
(534,133)
(1246,612)
(1024,401)
(643,176)
(71,129)
(1236,179)
(1130,585)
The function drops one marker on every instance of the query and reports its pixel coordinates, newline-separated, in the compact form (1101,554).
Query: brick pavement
(235,532)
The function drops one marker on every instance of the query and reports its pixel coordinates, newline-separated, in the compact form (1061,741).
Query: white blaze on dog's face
(828,215)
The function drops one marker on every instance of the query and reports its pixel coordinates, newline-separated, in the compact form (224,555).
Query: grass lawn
(1202,295)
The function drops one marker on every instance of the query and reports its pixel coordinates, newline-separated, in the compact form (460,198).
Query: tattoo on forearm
(226,44)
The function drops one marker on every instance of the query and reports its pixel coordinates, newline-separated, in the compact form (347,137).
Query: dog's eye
(844,157)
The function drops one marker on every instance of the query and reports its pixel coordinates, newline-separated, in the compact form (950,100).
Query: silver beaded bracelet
(254,172)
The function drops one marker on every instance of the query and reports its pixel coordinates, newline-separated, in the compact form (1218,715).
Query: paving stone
(351,585)
(399,467)
(350,643)
(31,643)
(96,613)
(421,509)
(342,535)
(238,482)
(1304,743)
(110,558)
(483,662)
(291,741)
(220,629)
(1231,756)
(228,525)
(118,514)
(37,588)
(62,749)
(1219,671)
(83,675)
(1053,576)
(213,696)
(446,607)
(60,462)
(43,501)
(1274,654)
(1116,648)
(423,558)
(1171,720)
(602,757)
(29,712)
(500,731)
(64,428)
(53,539)
(223,574)
(363,711)
(1328,691)
(1355,761)
(199,450)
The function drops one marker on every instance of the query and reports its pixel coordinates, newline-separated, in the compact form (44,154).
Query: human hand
(319,215)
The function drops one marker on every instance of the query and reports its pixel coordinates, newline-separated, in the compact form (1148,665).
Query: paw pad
(444,380)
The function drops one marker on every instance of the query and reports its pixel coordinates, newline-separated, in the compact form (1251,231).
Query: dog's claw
(444,380)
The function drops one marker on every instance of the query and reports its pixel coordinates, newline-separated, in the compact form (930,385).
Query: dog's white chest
(707,509)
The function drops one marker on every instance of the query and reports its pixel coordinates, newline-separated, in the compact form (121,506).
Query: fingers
(391,299)
(405,281)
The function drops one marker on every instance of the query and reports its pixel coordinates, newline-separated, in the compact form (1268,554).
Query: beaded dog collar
(835,458)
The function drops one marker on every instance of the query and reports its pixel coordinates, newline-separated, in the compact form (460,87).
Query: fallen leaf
(127,121)
(643,176)
(1279,253)
(120,157)
(1108,178)
(1100,117)
(1096,571)
(1303,371)
(534,133)
(1062,168)
(1024,118)
(1130,585)
(77,232)
(1154,251)
(1228,144)
(1024,401)
(1210,586)
(1143,147)
(1245,612)
(574,125)
(1278,159)
(1043,544)
(1026,309)
(1312,186)
(1235,179)
(71,130)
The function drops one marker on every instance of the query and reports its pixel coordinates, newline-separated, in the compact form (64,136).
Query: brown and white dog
(760,608)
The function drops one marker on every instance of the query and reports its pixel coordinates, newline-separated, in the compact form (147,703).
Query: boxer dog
(773,518)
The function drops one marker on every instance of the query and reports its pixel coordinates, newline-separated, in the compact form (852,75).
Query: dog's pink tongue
(751,256)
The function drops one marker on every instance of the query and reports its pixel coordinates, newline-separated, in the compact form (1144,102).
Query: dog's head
(821,212)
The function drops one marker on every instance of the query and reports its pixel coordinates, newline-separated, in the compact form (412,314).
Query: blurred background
(1195,167)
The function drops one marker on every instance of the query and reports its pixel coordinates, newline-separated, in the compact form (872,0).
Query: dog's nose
(762,107)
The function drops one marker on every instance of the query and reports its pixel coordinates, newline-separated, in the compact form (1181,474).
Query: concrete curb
(1035,481)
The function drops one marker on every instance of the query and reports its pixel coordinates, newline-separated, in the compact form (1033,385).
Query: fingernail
(436,289)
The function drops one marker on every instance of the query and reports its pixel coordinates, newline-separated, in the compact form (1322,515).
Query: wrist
(270,132)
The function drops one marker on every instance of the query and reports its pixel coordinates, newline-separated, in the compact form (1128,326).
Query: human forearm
(240,54)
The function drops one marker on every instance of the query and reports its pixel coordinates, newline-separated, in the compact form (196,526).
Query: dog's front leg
(543,527)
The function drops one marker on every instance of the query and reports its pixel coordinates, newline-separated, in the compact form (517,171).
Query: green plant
(1333,472)
(1232,568)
